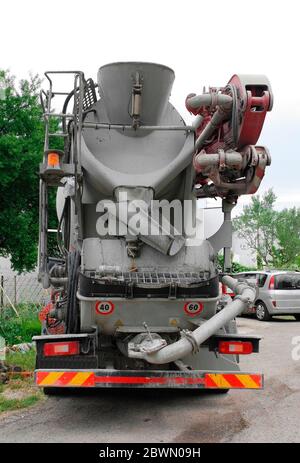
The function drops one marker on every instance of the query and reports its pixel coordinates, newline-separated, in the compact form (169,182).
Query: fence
(22,288)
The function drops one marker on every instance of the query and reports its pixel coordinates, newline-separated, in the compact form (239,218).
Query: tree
(287,226)
(274,236)
(256,226)
(21,148)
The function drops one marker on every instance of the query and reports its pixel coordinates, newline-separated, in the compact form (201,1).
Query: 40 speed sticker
(193,308)
(104,307)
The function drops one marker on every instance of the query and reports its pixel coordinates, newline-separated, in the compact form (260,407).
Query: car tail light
(272,282)
(235,347)
(227,291)
(274,303)
(61,348)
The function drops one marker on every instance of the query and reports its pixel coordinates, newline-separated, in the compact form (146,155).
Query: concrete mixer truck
(135,294)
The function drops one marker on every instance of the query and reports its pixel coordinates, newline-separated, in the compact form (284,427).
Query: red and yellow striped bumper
(167,379)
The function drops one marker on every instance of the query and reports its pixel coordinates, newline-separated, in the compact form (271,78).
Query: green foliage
(287,251)
(21,148)
(21,145)
(24,360)
(236,267)
(274,236)
(15,329)
(16,404)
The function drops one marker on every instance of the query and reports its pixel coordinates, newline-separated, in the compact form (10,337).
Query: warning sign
(193,308)
(104,307)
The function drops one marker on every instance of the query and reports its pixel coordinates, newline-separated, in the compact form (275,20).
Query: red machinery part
(255,100)
(230,120)
(251,97)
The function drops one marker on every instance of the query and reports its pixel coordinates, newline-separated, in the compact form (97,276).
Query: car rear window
(287,281)
(261,279)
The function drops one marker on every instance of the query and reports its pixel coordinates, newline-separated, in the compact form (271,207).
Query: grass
(25,361)
(16,404)
(16,330)
(19,392)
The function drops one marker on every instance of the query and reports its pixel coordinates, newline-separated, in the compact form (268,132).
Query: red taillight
(272,282)
(235,347)
(227,291)
(274,303)
(61,348)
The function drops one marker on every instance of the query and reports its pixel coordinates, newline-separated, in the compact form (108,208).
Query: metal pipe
(230,159)
(198,121)
(218,117)
(178,350)
(95,125)
(209,99)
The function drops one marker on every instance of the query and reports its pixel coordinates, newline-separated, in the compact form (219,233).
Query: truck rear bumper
(148,379)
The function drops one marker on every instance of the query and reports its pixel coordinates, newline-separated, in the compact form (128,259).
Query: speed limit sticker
(193,308)
(104,307)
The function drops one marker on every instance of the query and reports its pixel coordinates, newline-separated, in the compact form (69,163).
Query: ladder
(84,96)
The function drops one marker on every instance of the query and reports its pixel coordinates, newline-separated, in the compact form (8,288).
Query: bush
(236,267)
(16,330)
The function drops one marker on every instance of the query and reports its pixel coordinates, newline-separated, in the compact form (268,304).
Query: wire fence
(23,288)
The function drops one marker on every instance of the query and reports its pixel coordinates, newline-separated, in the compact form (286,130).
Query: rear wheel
(297,316)
(219,391)
(56,390)
(261,312)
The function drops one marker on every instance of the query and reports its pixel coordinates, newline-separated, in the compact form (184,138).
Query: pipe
(178,350)
(230,159)
(209,99)
(198,121)
(98,125)
(219,116)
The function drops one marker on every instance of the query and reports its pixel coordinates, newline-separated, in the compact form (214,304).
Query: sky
(205,42)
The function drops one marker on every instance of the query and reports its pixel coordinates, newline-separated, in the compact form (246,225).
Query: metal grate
(153,278)
(89,95)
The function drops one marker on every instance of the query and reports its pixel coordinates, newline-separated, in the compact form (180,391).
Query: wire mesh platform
(153,278)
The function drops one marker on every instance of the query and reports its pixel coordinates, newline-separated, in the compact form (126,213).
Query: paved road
(272,415)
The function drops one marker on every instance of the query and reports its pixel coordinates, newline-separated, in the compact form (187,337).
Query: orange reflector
(235,347)
(53,159)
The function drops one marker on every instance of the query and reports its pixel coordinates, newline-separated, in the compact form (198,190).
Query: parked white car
(278,293)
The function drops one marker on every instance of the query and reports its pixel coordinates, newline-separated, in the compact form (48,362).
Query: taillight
(227,291)
(235,347)
(272,282)
(61,348)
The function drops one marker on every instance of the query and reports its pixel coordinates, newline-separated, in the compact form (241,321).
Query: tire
(261,312)
(297,316)
(219,391)
(56,391)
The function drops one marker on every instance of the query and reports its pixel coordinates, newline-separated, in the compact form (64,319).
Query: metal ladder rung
(60,93)
(69,116)
(58,134)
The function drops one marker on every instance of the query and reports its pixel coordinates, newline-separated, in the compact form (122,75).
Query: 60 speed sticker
(104,307)
(193,308)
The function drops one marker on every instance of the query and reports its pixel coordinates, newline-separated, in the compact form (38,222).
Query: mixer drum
(121,157)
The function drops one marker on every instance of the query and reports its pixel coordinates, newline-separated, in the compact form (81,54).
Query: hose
(72,318)
(178,350)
